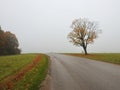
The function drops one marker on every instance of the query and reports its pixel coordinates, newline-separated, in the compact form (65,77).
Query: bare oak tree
(84,32)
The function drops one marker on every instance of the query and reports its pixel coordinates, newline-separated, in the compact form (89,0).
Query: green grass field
(106,57)
(10,65)
(33,78)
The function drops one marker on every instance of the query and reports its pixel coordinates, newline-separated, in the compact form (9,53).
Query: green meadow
(106,57)
(11,65)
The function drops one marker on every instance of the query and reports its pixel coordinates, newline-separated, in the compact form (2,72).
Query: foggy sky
(43,25)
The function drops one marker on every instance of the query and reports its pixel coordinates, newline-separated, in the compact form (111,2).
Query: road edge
(45,85)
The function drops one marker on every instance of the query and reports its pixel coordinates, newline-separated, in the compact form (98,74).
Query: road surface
(75,73)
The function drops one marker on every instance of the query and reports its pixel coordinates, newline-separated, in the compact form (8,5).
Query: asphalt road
(74,73)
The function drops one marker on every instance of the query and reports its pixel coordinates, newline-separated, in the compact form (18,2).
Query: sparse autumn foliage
(84,32)
(8,43)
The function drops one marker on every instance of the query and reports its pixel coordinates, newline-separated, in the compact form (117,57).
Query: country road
(75,73)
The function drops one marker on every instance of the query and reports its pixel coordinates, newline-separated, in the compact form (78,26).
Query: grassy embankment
(106,57)
(22,72)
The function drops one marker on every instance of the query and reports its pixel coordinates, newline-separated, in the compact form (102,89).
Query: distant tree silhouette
(2,42)
(84,32)
(8,43)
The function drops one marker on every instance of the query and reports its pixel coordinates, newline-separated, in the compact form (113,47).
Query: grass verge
(29,76)
(33,78)
(106,57)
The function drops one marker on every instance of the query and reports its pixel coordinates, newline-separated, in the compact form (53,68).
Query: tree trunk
(85,50)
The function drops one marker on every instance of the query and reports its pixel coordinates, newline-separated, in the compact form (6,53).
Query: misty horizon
(43,26)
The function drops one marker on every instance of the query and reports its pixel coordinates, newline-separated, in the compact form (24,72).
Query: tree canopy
(8,43)
(84,32)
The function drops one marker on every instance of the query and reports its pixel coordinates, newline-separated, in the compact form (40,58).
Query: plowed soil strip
(8,82)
